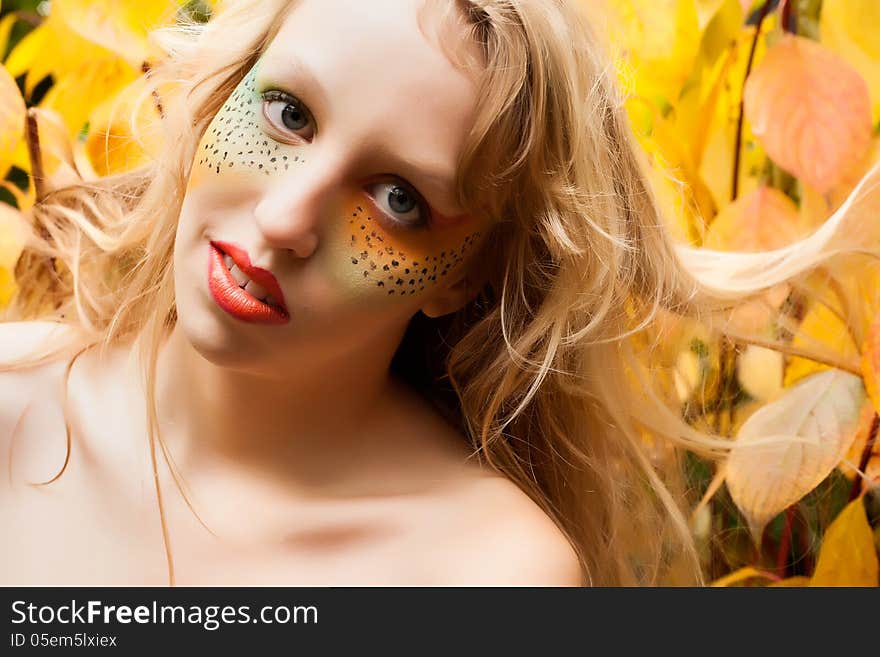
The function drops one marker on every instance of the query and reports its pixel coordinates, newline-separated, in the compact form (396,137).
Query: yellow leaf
(12,235)
(849,29)
(870,363)
(675,196)
(25,56)
(823,332)
(13,232)
(56,149)
(85,74)
(702,91)
(76,95)
(695,375)
(737,576)
(124,133)
(12,117)
(759,372)
(686,374)
(789,446)
(120,26)
(52,48)
(798,580)
(716,160)
(810,109)
(6,25)
(658,41)
(847,556)
(7,286)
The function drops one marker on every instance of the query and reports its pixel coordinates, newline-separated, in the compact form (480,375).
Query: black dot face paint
(361,256)
(236,142)
(399,264)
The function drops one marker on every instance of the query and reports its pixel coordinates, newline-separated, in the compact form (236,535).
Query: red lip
(234,299)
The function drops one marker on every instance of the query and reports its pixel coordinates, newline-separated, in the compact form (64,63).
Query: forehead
(375,74)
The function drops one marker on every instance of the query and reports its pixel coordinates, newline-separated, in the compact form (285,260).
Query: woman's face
(331,167)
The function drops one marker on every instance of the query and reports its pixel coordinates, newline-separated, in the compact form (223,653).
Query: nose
(292,208)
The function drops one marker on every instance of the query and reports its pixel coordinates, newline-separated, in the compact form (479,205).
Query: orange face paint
(362,251)
(372,259)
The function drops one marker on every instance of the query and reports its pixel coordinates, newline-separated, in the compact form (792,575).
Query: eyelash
(275,96)
(423,223)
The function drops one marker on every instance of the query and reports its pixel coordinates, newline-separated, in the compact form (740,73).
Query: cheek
(235,147)
(361,258)
(369,261)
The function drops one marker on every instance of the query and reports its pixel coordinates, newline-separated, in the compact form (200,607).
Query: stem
(865,458)
(785,543)
(726,372)
(157,100)
(734,189)
(32,135)
(791,350)
(35,155)
(787,19)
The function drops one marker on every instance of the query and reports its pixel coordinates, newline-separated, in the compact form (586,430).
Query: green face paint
(236,143)
(363,254)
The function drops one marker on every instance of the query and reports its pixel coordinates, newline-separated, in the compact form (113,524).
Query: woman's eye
(402,204)
(287,113)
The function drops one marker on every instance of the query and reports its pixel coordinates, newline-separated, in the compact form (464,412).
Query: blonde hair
(543,371)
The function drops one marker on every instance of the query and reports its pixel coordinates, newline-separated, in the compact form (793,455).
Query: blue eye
(287,113)
(400,203)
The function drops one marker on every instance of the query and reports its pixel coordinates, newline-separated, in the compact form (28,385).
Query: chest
(85,533)
(99,522)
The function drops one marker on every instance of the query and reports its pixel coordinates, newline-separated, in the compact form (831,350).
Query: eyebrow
(432,176)
(295,66)
(427,175)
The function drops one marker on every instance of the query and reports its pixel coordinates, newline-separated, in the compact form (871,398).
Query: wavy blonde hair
(541,371)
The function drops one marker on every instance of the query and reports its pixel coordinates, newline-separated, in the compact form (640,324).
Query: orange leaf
(810,109)
(763,219)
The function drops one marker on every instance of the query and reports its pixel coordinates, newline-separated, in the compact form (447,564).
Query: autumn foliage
(758,120)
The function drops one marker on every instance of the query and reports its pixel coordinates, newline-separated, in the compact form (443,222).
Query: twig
(785,543)
(792,350)
(157,99)
(727,364)
(32,135)
(35,155)
(865,458)
(734,190)
(787,17)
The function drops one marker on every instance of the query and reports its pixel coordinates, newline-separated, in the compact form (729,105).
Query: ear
(455,295)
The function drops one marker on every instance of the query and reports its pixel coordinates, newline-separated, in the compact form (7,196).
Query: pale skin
(306,461)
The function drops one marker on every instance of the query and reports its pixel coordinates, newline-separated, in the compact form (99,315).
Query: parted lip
(263,277)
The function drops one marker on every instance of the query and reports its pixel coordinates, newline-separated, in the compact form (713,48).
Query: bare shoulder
(504,538)
(19,339)
(19,387)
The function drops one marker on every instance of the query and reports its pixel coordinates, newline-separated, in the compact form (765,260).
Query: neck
(307,423)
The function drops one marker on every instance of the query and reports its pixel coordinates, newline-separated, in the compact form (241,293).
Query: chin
(210,332)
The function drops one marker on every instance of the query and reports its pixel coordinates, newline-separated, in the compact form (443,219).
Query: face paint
(374,261)
(361,253)
(236,144)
